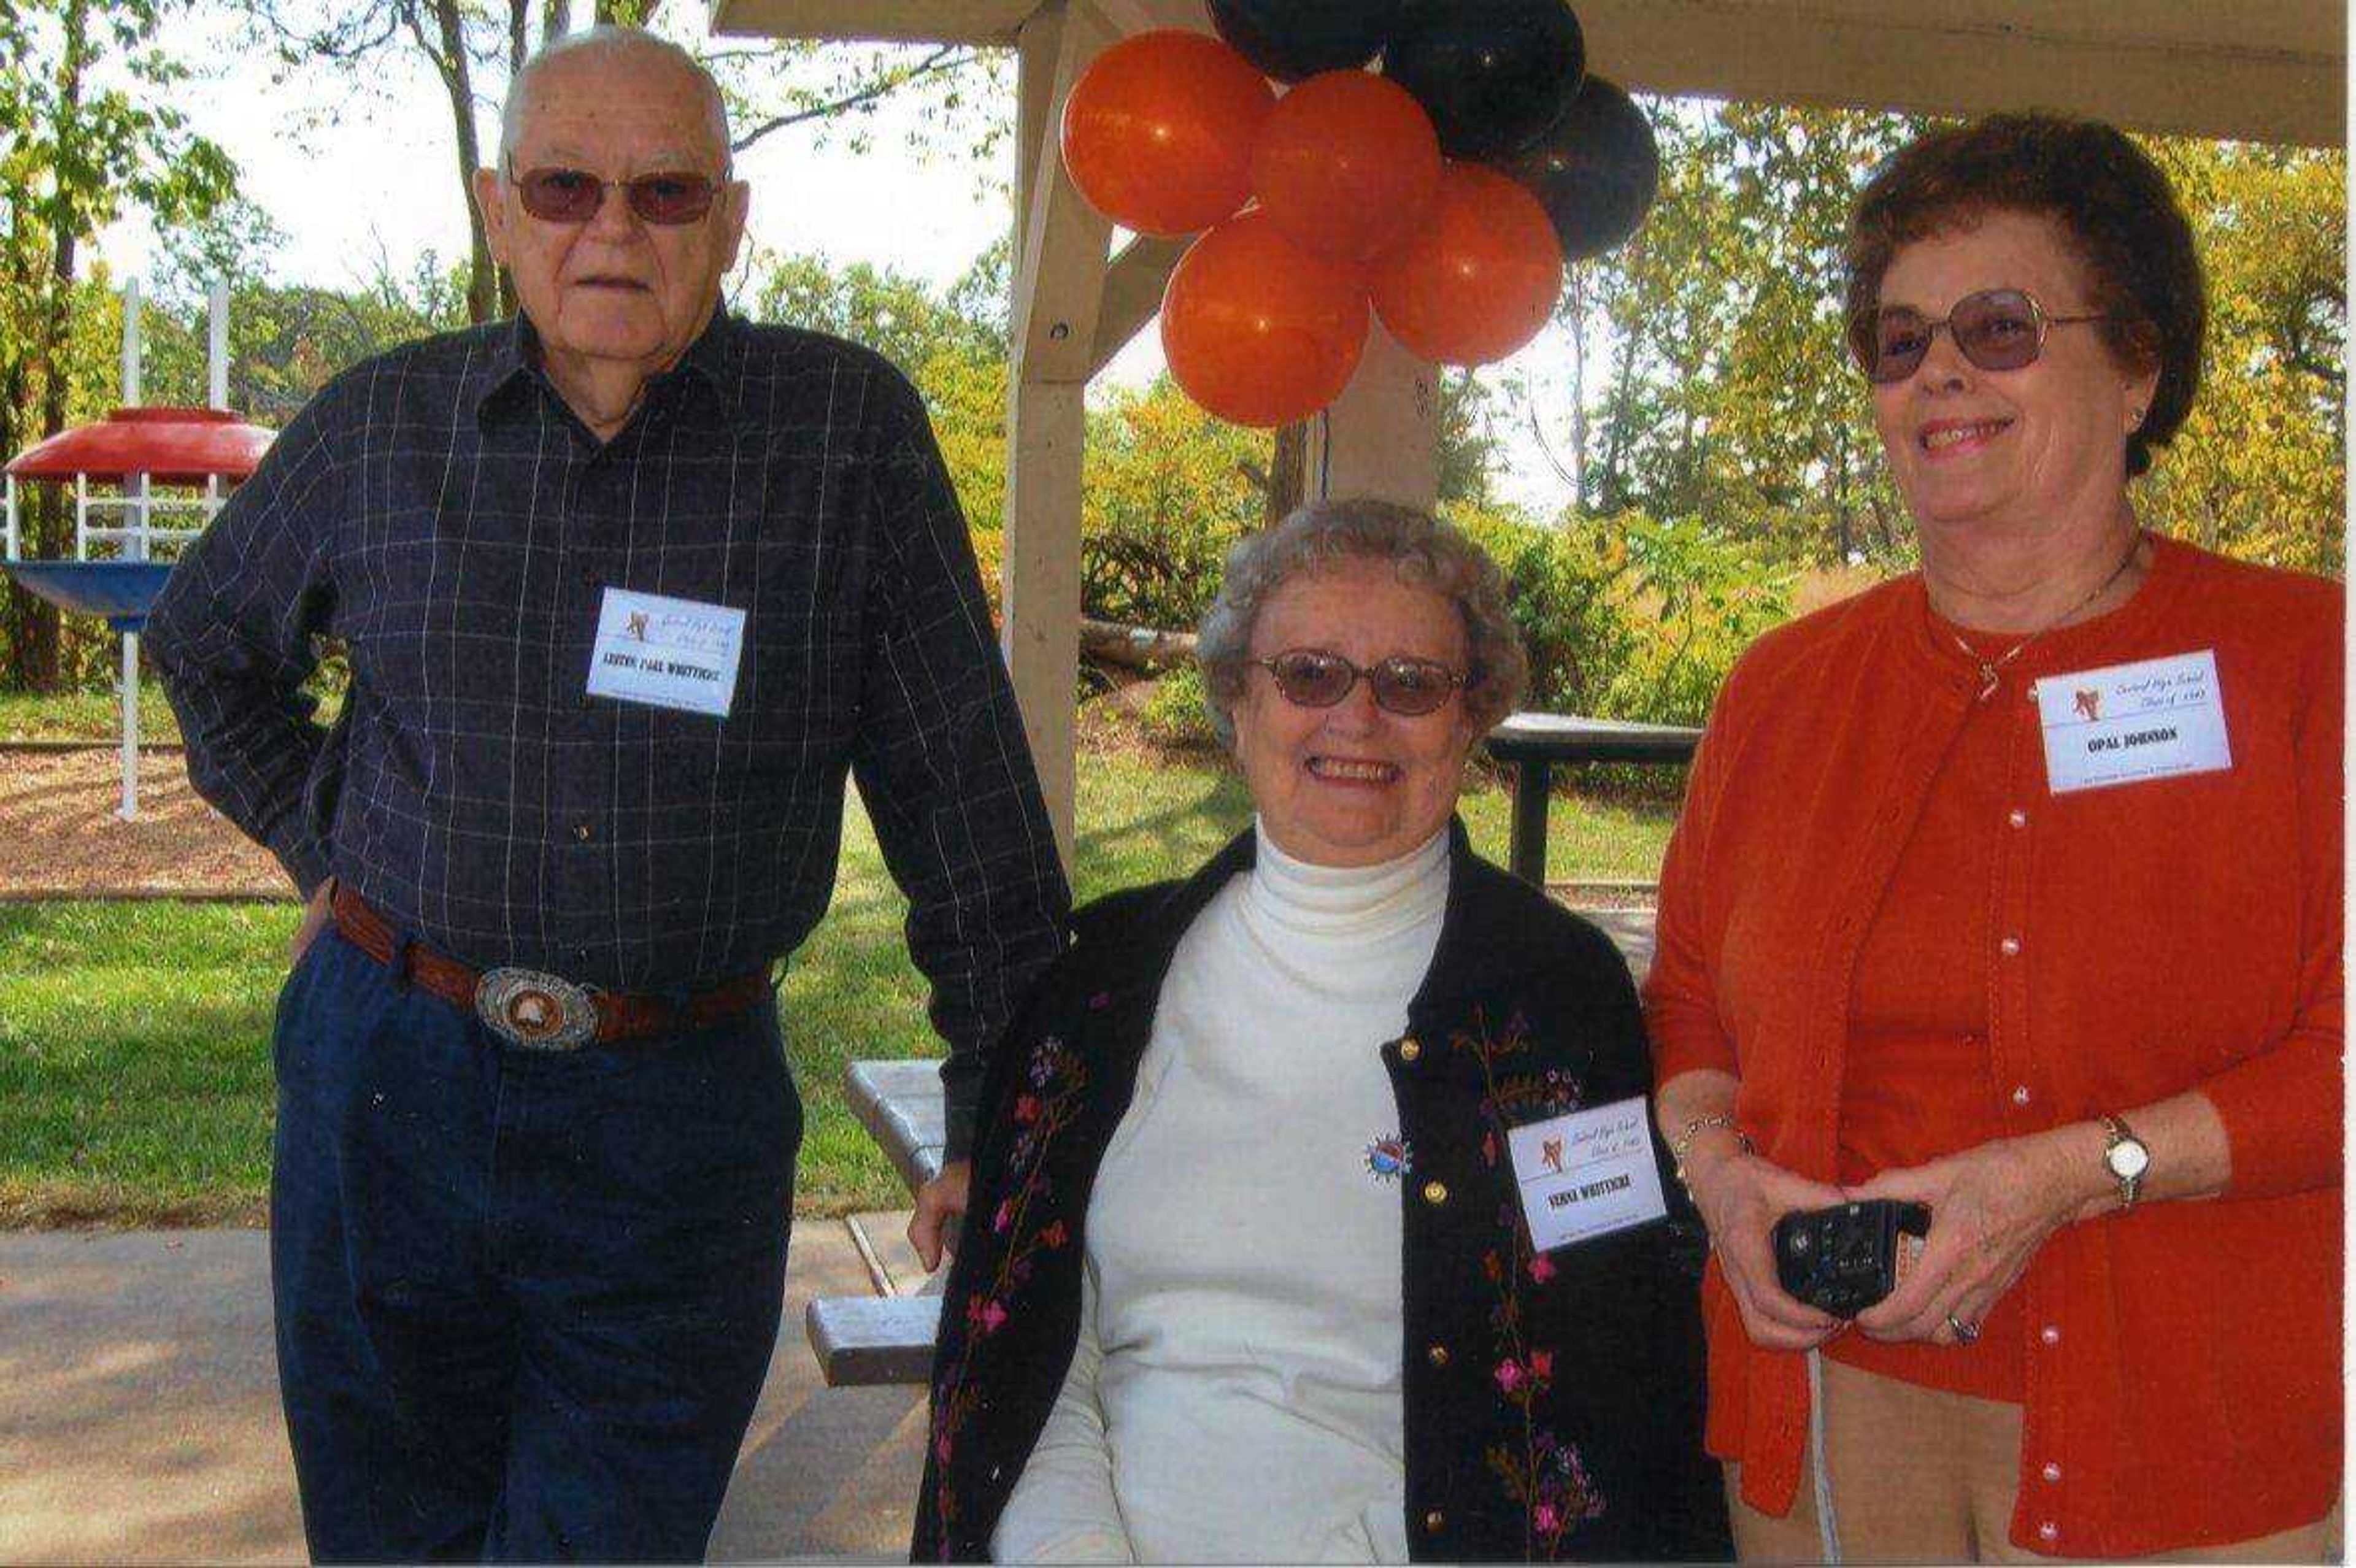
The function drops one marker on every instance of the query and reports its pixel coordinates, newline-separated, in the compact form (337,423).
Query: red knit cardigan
(2182,1359)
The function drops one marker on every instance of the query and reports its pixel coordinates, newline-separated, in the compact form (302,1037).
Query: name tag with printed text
(667,653)
(1587,1174)
(2157,719)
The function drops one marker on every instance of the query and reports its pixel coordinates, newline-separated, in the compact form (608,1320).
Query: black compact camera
(1843,1259)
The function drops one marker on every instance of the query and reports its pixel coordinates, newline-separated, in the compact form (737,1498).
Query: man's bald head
(618,45)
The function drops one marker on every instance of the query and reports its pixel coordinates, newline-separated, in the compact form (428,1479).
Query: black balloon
(1596,172)
(1495,75)
(1293,39)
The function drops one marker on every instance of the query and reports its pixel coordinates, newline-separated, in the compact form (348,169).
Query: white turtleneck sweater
(1235,1389)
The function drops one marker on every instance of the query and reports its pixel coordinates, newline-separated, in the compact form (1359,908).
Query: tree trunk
(457,82)
(39,637)
(1612,484)
(1135,647)
(1288,472)
(1578,389)
(1844,535)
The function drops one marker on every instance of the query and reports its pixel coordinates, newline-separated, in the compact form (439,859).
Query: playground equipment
(161,474)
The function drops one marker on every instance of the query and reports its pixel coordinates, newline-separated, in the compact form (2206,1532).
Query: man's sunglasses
(1997,329)
(574,196)
(1312,677)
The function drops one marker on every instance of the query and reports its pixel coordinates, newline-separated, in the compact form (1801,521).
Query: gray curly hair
(1424,550)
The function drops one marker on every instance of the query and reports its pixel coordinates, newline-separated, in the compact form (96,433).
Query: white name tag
(2130,723)
(1587,1174)
(667,653)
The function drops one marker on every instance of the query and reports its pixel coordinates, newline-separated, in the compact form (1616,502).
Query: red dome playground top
(176,446)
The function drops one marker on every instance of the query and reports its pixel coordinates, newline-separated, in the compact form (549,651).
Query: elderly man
(627,585)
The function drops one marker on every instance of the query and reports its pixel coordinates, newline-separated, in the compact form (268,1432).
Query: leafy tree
(1165,489)
(1710,380)
(474,48)
(1725,393)
(88,131)
(2259,468)
(285,341)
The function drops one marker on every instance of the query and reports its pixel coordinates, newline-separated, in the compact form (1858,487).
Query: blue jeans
(525,1302)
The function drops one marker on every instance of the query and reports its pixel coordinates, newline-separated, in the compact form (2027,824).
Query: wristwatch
(2127,1158)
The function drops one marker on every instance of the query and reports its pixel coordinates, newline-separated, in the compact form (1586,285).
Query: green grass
(90,715)
(134,1060)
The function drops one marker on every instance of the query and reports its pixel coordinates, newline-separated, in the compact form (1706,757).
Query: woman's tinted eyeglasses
(1312,677)
(1996,329)
(574,196)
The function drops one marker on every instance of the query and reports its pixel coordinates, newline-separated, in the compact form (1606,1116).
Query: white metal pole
(134,548)
(130,342)
(217,344)
(129,811)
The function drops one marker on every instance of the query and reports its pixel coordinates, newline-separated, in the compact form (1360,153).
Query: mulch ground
(59,836)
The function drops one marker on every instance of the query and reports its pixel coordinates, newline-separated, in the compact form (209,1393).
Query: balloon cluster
(1445,195)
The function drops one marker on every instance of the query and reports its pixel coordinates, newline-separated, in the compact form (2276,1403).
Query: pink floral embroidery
(1542,1473)
(1058,1075)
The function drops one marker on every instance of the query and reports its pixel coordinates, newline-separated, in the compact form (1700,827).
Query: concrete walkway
(139,1417)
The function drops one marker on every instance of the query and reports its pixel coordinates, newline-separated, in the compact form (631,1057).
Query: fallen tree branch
(1135,647)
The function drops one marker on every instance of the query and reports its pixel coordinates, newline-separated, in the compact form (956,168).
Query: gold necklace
(1992,670)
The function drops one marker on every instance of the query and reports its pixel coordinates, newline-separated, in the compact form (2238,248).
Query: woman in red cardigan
(2014,889)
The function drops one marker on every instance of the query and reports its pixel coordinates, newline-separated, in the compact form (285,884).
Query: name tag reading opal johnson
(2129,723)
(667,653)
(1587,1174)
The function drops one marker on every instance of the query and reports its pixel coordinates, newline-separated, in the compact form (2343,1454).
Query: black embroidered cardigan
(1553,1400)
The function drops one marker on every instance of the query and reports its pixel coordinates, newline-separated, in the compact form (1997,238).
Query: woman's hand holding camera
(1740,1197)
(1991,1208)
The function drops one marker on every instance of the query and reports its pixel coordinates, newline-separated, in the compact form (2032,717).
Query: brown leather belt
(535,1010)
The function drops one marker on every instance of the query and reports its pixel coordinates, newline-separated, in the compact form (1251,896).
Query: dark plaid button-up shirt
(440,512)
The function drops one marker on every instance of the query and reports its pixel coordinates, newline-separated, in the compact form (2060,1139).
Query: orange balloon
(1347,164)
(1257,330)
(1480,277)
(1158,131)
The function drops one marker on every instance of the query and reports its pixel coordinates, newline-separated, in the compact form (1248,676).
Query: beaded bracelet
(1693,1129)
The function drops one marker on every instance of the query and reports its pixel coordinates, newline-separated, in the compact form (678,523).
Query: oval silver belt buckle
(536,1011)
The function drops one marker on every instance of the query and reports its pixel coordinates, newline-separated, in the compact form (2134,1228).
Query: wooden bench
(862,1340)
(868,1340)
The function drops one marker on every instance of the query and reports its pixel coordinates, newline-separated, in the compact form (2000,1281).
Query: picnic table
(867,1339)
(1534,742)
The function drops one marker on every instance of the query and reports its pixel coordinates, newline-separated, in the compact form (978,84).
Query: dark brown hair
(2111,201)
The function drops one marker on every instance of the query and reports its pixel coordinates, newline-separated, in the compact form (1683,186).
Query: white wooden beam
(1133,293)
(2250,69)
(1381,436)
(1059,278)
(2268,70)
(902,21)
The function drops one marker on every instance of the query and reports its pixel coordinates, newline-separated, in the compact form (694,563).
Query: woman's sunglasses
(1997,329)
(1312,677)
(574,196)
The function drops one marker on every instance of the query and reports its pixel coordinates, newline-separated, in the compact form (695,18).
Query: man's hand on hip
(940,1201)
(315,916)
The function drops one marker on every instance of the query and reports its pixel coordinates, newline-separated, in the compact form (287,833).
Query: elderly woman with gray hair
(1314,1215)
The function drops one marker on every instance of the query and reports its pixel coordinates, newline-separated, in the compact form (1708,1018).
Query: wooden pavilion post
(1060,269)
(1381,437)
